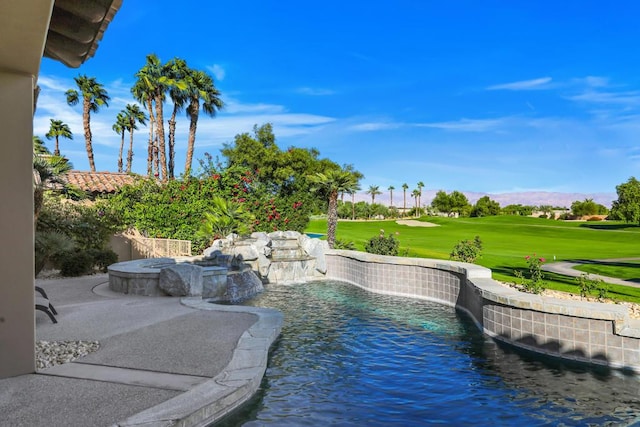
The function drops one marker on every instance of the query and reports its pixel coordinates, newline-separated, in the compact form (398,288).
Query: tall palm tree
(58,129)
(153,82)
(134,115)
(391,188)
(405,187)
(177,71)
(120,127)
(373,190)
(420,186)
(143,94)
(93,96)
(353,192)
(416,193)
(200,87)
(331,183)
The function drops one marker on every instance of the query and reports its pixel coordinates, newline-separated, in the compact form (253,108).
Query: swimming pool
(352,358)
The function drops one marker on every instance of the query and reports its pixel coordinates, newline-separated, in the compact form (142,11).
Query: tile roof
(99,182)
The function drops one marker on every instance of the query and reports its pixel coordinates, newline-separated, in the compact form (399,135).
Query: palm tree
(200,87)
(58,129)
(47,170)
(143,94)
(120,127)
(93,96)
(353,192)
(404,193)
(373,190)
(391,188)
(416,193)
(331,183)
(134,115)
(420,186)
(153,81)
(177,71)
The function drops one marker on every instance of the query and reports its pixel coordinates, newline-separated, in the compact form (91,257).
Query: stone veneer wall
(595,333)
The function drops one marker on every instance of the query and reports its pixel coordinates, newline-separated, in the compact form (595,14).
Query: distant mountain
(533,198)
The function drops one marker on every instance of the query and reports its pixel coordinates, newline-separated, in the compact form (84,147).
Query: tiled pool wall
(596,333)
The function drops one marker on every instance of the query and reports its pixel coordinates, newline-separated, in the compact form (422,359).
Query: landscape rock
(181,280)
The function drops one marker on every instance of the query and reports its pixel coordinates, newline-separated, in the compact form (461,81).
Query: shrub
(535,282)
(382,245)
(588,285)
(467,250)
(76,263)
(344,244)
(50,246)
(594,218)
(103,258)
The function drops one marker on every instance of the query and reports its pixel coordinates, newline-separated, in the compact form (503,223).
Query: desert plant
(382,245)
(50,246)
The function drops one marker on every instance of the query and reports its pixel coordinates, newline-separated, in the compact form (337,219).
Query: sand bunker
(415,223)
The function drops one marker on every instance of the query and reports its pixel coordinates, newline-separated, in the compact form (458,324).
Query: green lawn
(506,241)
(627,270)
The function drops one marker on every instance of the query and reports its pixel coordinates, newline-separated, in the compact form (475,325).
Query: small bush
(382,245)
(588,285)
(467,250)
(76,263)
(344,244)
(594,218)
(103,258)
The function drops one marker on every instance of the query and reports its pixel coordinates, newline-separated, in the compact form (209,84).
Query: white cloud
(315,91)
(467,125)
(374,126)
(217,71)
(629,98)
(534,84)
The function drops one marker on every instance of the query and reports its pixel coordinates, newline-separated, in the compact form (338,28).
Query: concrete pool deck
(162,361)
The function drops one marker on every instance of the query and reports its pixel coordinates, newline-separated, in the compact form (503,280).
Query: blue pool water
(315,235)
(347,357)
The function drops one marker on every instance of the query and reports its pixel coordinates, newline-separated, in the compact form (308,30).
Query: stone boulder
(316,248)
(181,280)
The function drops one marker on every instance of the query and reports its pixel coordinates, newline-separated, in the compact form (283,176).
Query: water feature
(351,358)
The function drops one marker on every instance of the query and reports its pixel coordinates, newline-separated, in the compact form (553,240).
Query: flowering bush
(534,283)
(177,209)
(382,245)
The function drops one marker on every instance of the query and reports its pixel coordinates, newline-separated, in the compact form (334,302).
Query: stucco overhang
(65,30)
(76,28)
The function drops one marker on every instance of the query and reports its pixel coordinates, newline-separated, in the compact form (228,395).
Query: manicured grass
(506,241)
(627,270)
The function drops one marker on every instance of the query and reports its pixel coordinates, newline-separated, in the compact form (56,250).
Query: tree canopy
(627,206)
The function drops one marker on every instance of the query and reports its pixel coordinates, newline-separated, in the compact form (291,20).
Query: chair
(43,304)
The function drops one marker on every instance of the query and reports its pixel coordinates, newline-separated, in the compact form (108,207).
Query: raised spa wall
(597,333)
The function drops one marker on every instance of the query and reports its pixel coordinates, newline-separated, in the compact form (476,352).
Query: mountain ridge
(532,198)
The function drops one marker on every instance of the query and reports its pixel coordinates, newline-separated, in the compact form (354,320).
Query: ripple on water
(351,358)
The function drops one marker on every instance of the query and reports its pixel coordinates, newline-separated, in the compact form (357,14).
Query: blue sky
(488,96)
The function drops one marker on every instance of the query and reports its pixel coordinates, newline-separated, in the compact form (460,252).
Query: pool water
(348,357)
